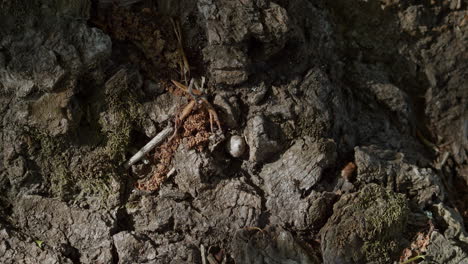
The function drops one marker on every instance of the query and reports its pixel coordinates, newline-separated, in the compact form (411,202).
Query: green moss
(307,126)
(118,138)
(99,186)
(91,177)
(379,251)
(125,111)
(385,215)
(384,210)
(76,168)
(289,130)
(60,179)
(376,217)
(53,164)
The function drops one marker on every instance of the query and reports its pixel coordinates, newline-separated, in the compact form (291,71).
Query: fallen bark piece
(158,139)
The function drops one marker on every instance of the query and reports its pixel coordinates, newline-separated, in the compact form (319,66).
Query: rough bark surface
(302,88)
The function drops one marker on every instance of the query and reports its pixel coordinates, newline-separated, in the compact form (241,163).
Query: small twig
(211,259)
(252,228)
(183,61)
(190,90)
(171,172)
(444,160)
(144,159)
(427,142)
(413,259)
(184,88)
(181,117)
(202,252)
(158,139)
(443,145)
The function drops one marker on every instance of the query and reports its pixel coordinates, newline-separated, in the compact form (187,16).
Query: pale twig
(413,259)
(171,172)
(444,160)
(144,159)
(211,259)
(202,252)
(183,61)
(427,142)
(158,139)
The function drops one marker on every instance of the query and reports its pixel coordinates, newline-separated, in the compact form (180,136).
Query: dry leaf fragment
(348,170)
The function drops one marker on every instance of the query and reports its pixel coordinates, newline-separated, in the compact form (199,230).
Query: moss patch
(384,215)
(123,112)
(74,168)
(367,226)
